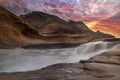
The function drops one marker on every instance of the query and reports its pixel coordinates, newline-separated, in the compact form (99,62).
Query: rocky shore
(105,66)
(17,32)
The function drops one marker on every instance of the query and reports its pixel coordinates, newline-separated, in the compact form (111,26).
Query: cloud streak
(79,9)
(15,6)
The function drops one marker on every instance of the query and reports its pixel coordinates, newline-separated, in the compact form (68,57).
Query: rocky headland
(37,28)
(42,28)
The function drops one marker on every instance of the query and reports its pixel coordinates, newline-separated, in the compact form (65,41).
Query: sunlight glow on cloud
(76,9)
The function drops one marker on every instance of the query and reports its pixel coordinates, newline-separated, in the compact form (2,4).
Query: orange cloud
(106,26)
(91,25)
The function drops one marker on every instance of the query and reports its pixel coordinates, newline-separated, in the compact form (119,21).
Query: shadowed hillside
(13,31)
(50,24)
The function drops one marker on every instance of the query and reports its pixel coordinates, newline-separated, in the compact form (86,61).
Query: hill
(14,31)
(41,28)
(50,24)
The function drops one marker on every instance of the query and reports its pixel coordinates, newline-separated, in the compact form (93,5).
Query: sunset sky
(103,15)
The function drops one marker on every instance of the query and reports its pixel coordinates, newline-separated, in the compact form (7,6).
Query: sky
(99,15)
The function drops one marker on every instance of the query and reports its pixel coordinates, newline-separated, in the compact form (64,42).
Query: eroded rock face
(112,57)
(50,25)
(105,66)
(14,31)
(46,29)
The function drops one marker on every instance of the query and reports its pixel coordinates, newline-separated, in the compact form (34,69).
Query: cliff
(14,31)
(41,28)
(50,25)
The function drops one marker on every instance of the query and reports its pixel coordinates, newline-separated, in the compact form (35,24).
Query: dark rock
(112,39)
(52,46)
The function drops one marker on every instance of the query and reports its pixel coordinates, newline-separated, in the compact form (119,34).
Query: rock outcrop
(105,66)
(50,25)
(41,29)
(14,31)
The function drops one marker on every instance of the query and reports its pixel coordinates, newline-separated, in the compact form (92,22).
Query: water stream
(17,60)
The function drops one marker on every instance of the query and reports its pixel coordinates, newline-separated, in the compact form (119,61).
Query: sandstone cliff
(41,28)
(14,31)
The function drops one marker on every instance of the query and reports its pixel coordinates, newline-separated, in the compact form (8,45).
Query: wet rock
(101,67)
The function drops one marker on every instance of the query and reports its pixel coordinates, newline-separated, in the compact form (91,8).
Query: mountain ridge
(47,25)
(18,32)
(42,20)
